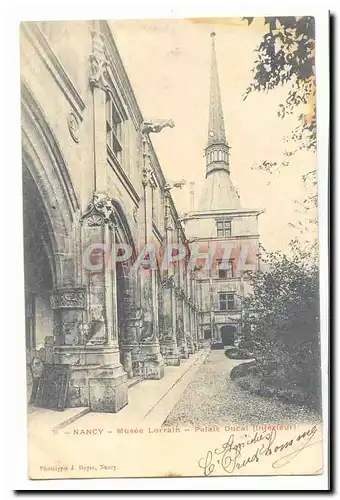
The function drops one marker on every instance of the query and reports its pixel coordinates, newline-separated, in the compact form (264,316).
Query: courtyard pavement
(198,392)
(212,398)
(150,401)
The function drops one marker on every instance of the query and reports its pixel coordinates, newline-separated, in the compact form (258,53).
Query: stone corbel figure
(155,126)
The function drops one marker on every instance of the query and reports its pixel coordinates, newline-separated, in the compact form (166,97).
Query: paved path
(150,401)
(212,398)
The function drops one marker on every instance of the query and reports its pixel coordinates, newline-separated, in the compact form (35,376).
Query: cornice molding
(210,214)
(54,66)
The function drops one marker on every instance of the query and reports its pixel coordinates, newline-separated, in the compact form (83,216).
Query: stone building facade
(224,233)
(92,185)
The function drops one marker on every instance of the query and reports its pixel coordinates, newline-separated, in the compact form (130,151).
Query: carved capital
(68,299)
(98,72)
(98,63)
(99,211)
(146,175)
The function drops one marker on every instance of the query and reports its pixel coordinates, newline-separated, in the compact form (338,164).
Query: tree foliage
(286,55)
(281,317)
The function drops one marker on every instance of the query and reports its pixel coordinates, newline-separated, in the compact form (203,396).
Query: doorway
(207,334)
(228,335)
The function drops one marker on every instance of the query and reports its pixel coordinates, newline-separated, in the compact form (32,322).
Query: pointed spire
(216,152)
(216,131)
(219,191)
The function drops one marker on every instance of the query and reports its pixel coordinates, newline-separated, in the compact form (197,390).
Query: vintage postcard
(171,249)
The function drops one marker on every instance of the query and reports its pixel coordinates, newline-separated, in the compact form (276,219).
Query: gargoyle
(156,126)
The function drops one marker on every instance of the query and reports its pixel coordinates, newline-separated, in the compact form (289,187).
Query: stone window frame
(223,228)
(224,298)
(226,273)
(114,128)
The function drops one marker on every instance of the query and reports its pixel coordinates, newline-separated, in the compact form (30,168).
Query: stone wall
(111,323)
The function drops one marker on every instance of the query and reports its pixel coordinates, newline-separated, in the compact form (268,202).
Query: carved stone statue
(156,126)
(147,328)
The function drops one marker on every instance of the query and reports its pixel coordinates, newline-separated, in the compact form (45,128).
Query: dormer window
(223,228)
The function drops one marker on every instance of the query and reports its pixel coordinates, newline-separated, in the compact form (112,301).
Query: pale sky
(168,63)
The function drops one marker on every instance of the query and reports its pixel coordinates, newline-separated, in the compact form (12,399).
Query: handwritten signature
(231,455)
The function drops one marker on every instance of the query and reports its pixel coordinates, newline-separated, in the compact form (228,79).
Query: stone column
(193,309)
(188,326)
(180,333)
(199,312)
(87,333)
(192,326)
(132,325)
(180,294)
(201,329)
(169,348)
(149,339)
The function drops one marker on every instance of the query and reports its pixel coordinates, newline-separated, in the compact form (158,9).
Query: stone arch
(51,213)
(43,159)
(123,228)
